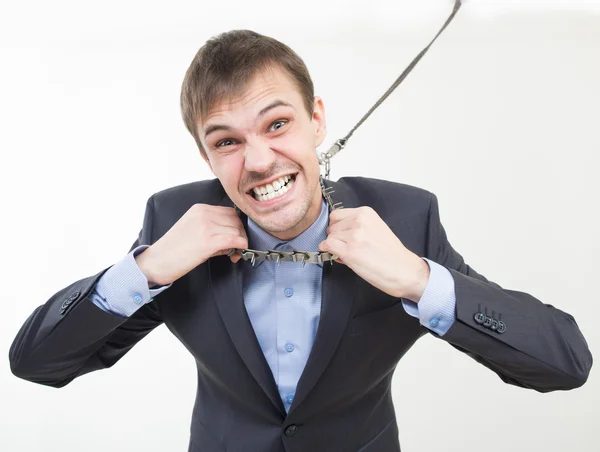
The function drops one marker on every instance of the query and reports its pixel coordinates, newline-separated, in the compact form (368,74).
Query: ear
(318,119)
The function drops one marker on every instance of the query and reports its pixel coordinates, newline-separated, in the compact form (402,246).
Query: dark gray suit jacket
(343,400)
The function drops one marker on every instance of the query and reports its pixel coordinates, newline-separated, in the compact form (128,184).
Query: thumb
(224,244)
(323,246)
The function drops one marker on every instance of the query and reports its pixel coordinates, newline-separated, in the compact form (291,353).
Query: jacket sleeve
(526,342)
(124,288)
(69,335)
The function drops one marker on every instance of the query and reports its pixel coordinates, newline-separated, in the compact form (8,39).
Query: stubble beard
(288,217)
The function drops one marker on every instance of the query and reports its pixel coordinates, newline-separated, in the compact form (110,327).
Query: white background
(500,120)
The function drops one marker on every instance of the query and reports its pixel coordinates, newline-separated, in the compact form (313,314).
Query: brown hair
(224,66)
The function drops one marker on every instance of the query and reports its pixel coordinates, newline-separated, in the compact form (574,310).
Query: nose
(258,156)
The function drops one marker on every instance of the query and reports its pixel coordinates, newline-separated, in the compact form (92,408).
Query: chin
(280,220)
(280,226)
(277,214)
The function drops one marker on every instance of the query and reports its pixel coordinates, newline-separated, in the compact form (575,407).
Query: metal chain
(305,257)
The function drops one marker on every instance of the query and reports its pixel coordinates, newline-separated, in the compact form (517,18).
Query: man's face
(264,141)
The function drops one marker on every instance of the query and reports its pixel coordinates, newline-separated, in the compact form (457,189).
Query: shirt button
(434,322)
(289,399)
(137,298)
(288,292)
(289,347)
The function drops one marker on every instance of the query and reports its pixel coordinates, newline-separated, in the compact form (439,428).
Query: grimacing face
(266,136)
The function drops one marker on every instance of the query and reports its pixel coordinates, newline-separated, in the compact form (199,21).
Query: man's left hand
(363,242)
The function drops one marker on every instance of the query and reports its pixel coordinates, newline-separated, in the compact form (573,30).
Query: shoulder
(165,207)
(406,209)
(388,196)
(185,195)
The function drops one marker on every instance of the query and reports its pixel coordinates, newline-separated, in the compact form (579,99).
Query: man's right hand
(202,232)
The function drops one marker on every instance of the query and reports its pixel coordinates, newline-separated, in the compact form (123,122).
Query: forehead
(266,85)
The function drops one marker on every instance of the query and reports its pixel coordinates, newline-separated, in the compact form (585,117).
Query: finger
(350,237)
(340,226)
(334,245)
(220,216)
(222,210)
(340,214)
(228,229)
(326,245)
(227,221)
(222,243)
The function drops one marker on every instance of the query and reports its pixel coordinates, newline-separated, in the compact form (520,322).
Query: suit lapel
(227,289)
(337,297)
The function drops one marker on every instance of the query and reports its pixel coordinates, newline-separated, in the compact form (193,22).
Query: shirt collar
(307,241)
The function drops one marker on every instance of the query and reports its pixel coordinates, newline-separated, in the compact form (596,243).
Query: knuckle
(198,208)
(358,238)
(366,211)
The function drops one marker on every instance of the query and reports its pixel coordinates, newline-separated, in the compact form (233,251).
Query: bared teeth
(274,189)
(273,186)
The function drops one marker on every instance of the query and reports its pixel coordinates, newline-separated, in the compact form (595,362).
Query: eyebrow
(276,103)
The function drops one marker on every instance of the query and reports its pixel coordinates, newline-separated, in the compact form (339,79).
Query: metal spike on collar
(305,257)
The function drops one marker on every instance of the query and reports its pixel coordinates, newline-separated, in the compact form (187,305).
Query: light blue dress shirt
(283,302)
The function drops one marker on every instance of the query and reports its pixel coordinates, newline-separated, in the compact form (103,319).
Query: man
(290,357)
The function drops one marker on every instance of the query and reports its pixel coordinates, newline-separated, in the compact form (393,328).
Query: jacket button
(291,430)
(501,327)
(488,322)
(74,296)
(479,317)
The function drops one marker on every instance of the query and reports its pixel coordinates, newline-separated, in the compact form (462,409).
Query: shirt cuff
(436,310)
(123,288)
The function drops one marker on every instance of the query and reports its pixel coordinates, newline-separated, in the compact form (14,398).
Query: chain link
(305,257)
(325,157)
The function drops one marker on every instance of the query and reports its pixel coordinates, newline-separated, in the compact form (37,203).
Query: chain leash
(318,257)
(325,157)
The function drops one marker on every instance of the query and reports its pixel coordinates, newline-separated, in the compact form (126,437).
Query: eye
(279,121)
(222,143)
